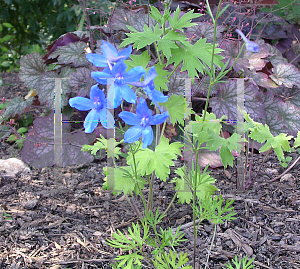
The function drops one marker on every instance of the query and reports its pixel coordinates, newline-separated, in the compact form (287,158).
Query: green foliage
(158,161)
(286,9)
(136,240)
(101,144)
(261,133)
(210,208)
(242,262)
(206,135)
(190,180)
(31,25)
(173,44)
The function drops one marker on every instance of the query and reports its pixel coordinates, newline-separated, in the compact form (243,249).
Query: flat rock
(12,166)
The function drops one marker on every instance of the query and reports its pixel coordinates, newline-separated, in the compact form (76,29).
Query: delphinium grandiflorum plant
(135,78)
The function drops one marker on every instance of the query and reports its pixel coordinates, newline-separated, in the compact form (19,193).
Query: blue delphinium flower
(250,46)
(97,103)
(109,57)
(121,79)
(149,88)
(141,122)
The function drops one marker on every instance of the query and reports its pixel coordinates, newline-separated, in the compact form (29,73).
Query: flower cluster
(115,69)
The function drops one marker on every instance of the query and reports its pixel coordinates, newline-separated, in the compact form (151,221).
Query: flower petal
(147,136)
(109,51)
(96,94)
(119,69)
(101,77)
(97,59)
(81,103)
(125,52)
(142,109)
(159,118)
(107,119)
(150,76)
(115,95)
(132,134)
(91,121)
(128,94)
(130,118)
(134,74)
(159,96)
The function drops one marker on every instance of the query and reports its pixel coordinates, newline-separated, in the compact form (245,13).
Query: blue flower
(141,122)
(250,46)
(121,78)
(149,88)
(109,57)
(97,103)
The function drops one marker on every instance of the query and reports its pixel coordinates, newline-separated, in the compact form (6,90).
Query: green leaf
(191,56)
(138,60)
(7,24)
(297,140)
(170,258)
(125,181)
(176,107)
(158,161)
(234,142)
(156,15)
(141,39)
(286,74)
(22,130)
(161,80)
(184,21)
(186,182)
(6,38)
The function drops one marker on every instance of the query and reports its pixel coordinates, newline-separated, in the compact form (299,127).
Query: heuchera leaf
(17,106)
(286,74)
(204,30)
(291,117)
(34,75)
(231,51)
(225,102)
(176,84)
(32,69)
(272,118)
(263,80)
(38,150)
(81,81)
(135,18)
(73,53)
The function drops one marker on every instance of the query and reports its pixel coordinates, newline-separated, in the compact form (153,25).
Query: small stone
(13,166)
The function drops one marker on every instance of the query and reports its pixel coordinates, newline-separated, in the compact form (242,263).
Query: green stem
(135,172)
(210,248)
(173,71)
(194,205)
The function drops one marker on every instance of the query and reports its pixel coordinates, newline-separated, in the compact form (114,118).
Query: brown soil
(60,217)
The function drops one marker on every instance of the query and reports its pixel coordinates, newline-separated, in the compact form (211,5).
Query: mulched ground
(60,217)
